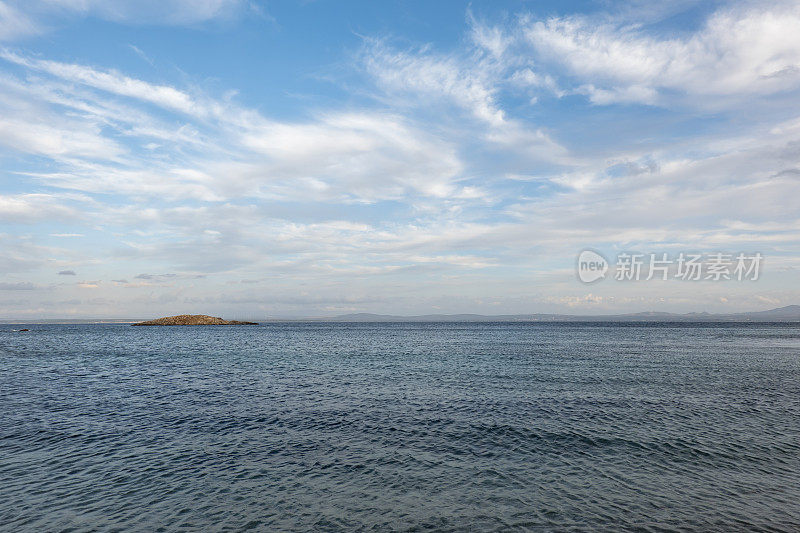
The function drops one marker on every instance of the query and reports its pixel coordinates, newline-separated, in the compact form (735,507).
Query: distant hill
(790,313)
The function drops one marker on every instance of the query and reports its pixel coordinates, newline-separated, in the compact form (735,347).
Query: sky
(250,159)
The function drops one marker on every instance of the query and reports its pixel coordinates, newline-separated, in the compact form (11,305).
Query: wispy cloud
(21,18)
(18,286)
(138,51)
(738,51)
(170,12)
(30,208)
(426,75)
(446,179)
(15,23)
(114,82)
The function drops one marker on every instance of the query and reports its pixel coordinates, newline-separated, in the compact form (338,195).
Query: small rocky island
(194,320)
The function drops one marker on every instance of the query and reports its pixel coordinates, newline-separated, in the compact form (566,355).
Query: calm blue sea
(447,427)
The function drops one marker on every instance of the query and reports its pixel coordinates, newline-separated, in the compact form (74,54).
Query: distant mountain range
(790,313)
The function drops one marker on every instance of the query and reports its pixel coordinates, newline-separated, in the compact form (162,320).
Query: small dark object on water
(24,329)
(194,320)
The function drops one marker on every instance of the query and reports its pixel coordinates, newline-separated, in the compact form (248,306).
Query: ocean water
(417,427)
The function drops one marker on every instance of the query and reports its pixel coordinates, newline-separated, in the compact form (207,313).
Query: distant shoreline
(787,314)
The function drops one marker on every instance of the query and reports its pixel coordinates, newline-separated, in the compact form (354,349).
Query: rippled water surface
(400,426)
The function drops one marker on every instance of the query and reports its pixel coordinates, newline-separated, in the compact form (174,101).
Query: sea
(400,427)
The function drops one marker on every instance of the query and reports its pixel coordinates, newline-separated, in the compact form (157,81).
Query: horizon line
(430,316)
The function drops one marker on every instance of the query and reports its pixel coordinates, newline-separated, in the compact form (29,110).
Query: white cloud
(221,150)
(740,51)
(737,52)
(43,138)
(158,12)
(139,52)
(410,198)
(701,202)
(114,82)
(431,85)
(14,23)
(358,155)
(526,77)
(422,74)
(30,208)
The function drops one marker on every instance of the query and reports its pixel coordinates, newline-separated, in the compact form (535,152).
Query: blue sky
(254,159)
